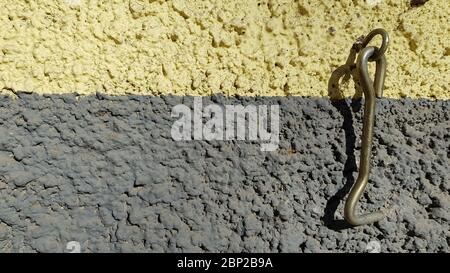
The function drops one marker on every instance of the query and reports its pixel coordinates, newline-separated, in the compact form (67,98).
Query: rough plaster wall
(104,171)
(202,47)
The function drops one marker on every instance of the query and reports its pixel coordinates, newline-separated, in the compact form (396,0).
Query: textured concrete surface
(105,172)
(201,47)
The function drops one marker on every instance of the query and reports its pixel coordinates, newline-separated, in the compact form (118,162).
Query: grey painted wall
(104,171)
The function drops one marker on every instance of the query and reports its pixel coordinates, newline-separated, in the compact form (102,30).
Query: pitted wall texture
(198,47)
(104,171)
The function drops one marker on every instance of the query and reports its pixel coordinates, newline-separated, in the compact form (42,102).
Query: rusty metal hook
(370,89)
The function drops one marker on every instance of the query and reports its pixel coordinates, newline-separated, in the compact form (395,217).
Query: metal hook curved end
(379,52)
(350,210)
(370,90)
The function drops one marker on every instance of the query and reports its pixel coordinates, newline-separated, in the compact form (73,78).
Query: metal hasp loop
(370,90)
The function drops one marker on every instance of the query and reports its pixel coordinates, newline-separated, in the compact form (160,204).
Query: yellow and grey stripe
(86,152)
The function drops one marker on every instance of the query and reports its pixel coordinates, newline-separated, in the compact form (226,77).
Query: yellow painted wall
(200,47)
